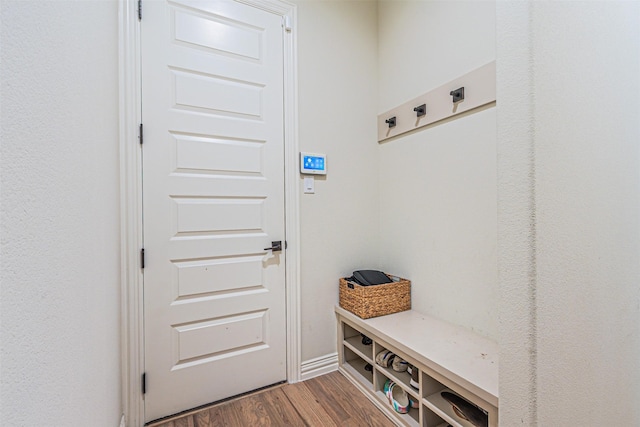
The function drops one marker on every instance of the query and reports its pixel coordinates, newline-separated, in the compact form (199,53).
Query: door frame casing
(131,231)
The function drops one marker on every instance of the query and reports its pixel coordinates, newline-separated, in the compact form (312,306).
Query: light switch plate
(309,185)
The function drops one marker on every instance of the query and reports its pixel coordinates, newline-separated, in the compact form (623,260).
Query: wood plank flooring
(329,400)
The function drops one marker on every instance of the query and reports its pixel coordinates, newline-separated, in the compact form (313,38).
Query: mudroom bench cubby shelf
(448,357)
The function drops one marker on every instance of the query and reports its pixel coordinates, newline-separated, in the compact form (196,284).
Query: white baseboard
(319,366)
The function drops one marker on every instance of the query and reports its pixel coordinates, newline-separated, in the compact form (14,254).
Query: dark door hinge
(144,383)
(141,134)
(142,258)
(285,245)
(139,10)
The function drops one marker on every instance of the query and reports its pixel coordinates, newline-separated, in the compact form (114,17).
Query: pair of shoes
(415,373)
(388,359)
(398,398)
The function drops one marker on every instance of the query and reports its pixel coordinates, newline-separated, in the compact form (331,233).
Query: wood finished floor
(328,400)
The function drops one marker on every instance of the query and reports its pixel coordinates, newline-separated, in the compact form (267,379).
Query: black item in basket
(370,277)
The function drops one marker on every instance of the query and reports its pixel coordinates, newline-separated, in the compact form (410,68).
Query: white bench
(449,357)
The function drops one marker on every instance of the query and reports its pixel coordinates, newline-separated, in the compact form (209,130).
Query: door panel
(195,278)
(213,184)
(218,155)
(217,95)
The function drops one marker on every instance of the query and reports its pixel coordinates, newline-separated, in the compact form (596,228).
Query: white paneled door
(213,192)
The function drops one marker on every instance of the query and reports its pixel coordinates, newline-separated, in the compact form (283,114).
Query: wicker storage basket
(375,300)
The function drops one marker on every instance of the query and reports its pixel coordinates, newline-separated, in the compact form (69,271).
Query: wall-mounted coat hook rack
(458,94)
(411,115)
(391,122)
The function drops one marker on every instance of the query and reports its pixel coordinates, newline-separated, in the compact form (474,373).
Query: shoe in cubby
(385,358)
(399,364)
(398,398)
(415,373)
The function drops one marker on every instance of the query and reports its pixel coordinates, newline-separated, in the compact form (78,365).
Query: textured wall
(59,342)
(569,102)
(438,185)
(516,215)
(337,78)
(587,150)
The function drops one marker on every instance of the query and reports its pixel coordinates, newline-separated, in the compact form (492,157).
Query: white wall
(59,342)
(574,80)
(438,185)
(337,111)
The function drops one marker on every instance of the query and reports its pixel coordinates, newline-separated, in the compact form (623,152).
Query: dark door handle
(276,246)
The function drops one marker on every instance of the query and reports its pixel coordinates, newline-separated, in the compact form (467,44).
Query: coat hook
(421,110)
(391,122)
(458,94)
